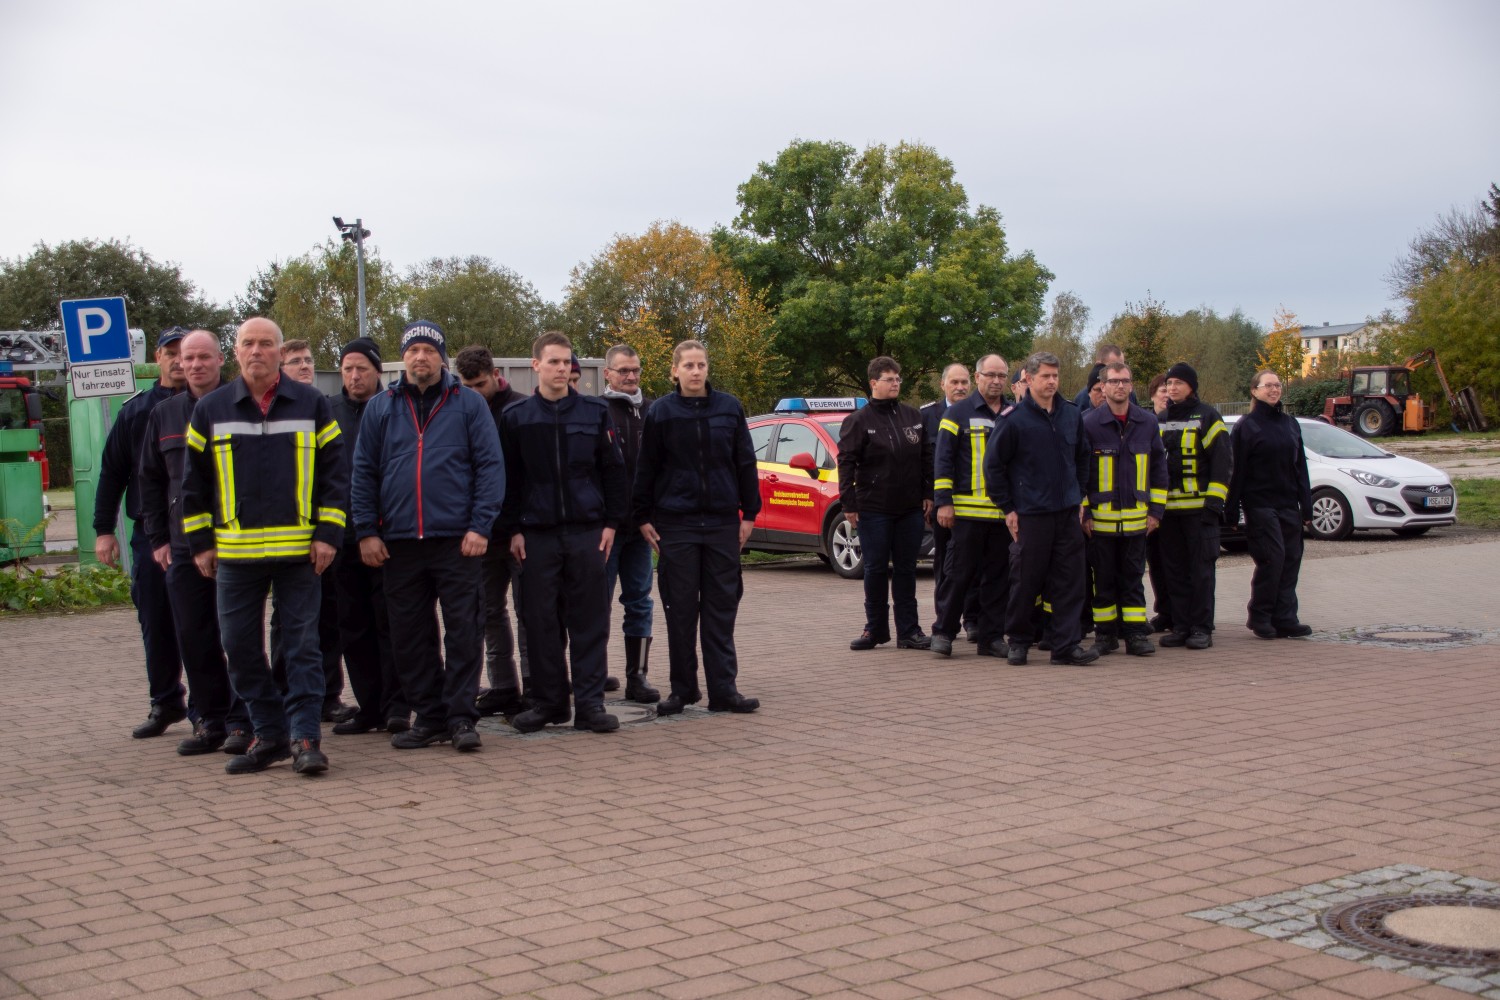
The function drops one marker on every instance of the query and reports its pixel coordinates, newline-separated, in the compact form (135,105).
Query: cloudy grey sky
(1231,155)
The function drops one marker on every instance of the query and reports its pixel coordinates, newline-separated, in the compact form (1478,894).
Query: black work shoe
(940,644)
(1198,639)
(160,717)
(534,720)
(1075,656)
(595,720)
(307,758)
(203,740)
(640,691)
(417,737)
(1173,639)
(356,725)
(996,649)
(334,710)
(236,742)
(867,640)
(611,683)
(1044,646)
(1295,631)
(463,736)
(670,705)
(971,633)
(737,703)
(914,640)
(1139,645)
(499,701)
(398,724)
(1106,644)
(1016,656)
(1265,631)
(260,755)
(1161,623)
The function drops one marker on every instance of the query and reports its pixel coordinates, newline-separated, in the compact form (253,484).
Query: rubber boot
(637,688)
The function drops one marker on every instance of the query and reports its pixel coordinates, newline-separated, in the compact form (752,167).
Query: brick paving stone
(987,831)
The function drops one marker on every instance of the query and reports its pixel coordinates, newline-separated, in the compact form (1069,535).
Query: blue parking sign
(95,330)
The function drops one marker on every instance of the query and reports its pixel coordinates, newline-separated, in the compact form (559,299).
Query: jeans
(243,587)
(889,543)
(630,564)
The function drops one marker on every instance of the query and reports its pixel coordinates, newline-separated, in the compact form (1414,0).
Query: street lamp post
(355,233)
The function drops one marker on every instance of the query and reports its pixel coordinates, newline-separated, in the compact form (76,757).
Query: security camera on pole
(355,233)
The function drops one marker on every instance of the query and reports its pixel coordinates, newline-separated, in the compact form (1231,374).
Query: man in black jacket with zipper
(885,486)
(565,496)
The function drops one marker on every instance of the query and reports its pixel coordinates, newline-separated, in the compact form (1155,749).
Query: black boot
(637,688)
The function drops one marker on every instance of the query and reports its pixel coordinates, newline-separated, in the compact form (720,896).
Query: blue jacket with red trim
(427,465)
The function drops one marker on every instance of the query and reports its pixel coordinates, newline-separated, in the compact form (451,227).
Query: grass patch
(62,498)
(1478,502)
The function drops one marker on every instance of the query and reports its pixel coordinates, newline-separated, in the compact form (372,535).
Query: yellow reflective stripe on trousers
(1133,615)
(1107,613)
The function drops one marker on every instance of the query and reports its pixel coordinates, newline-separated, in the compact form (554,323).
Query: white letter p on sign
(87,331)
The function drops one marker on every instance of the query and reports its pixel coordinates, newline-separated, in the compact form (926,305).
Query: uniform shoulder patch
(1006,412)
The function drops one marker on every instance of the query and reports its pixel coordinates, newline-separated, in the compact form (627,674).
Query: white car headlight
(1370,479)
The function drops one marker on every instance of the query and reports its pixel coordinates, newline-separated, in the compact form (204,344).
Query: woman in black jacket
(1269,481)
(696,498)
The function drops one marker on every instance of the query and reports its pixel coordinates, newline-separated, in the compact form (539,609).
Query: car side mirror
(803,460)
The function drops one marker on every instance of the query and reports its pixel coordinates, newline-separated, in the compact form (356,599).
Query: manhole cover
(1461,931)
(1418,637)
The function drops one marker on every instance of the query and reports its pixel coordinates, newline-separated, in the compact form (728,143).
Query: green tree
(1283,351)
(862,254)
(476,301)
(668,285)
(156,294)
(1222,349)
(1062,333)
(1144,333)
(315,298)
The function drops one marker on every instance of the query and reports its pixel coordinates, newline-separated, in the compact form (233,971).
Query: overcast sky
(1231,155)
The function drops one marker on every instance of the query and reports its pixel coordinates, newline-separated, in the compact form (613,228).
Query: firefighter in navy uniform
(961,503)
(262,504)
(222,723)
(1037,471)
(1126,498)
(1198,463)
(956,386)
(118,466)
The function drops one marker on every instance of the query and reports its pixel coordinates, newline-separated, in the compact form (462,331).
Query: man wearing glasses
(963,505)
(1126,497)
(629,561)
(956,386)
(885,485)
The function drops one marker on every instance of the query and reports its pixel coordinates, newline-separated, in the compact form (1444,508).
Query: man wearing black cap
(118,467)
(428,483)
(364,637)
(1198,458)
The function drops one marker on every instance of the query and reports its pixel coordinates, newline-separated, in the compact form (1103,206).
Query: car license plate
(1437,501)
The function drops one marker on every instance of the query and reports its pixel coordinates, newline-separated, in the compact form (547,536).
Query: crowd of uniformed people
(367,514)
(392,526)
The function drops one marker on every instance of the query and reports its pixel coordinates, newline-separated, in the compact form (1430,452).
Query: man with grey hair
(955,385)
(1036,469)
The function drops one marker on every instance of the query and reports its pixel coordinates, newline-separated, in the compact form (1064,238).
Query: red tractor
(1381,401)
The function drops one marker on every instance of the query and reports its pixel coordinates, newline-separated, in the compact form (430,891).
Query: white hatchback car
(1359,486)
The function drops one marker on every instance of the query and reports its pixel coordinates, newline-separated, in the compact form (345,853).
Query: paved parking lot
(890,825)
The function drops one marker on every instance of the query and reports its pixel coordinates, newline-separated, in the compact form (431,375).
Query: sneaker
(260,755)
(463,736)
(534,720)
(867,640)
(1075,656)
(499,701)
(1139,645)
(914,640)
(595,720)
(237,741)
(1106,644)
(1295,631)
(356,725)
(307,758)
(940,644)
(737,703)
(1016,655)
(203,740)
(417,737)
(1174,639)
(157,721)
(1198,639)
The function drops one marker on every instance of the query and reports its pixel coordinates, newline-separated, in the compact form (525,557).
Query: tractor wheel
(1332,519)
(1374,419)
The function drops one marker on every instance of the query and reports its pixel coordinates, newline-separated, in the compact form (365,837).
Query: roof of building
(1334,330)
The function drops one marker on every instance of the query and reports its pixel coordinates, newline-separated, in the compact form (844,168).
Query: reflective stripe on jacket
(1127,471)
(958,460)
(1198,456)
